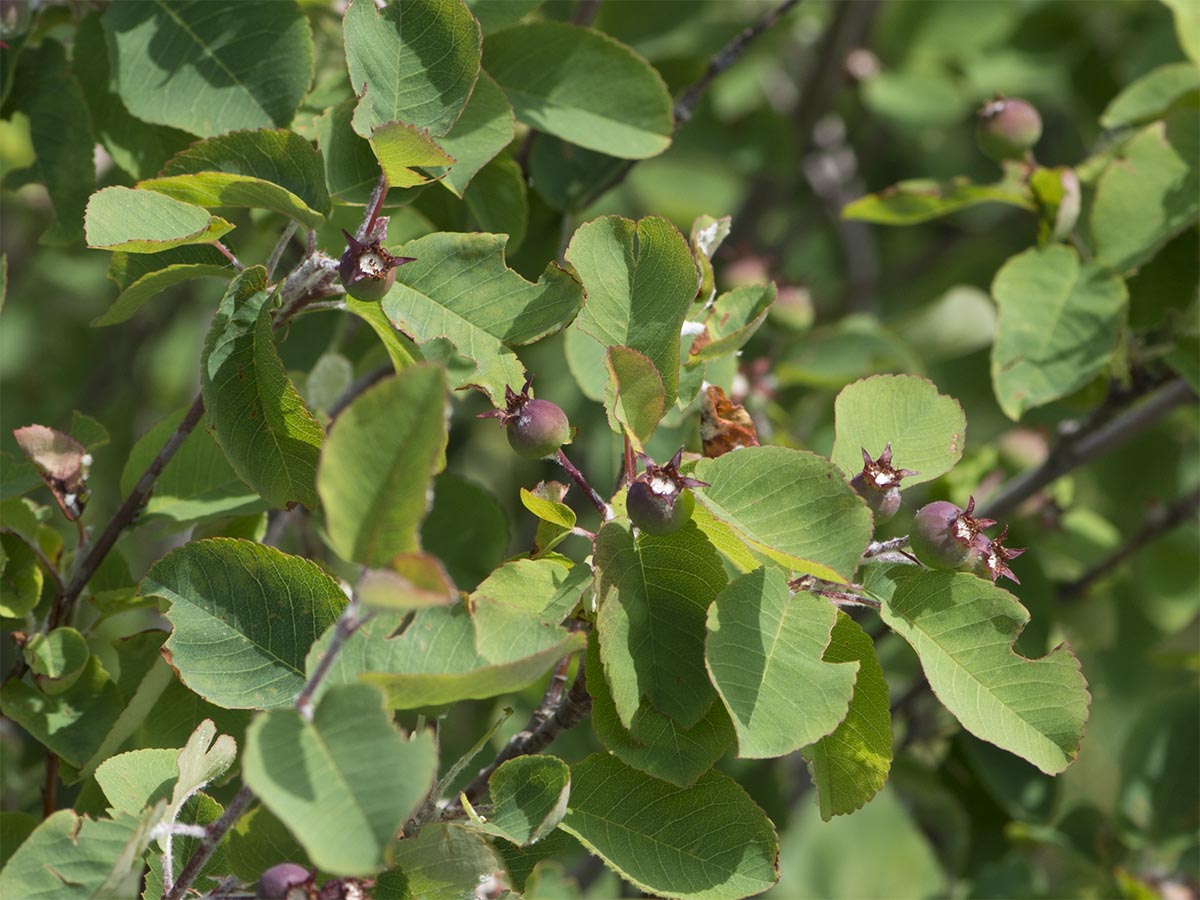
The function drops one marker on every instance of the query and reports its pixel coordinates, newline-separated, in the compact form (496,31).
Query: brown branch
(556,713)
(585,12)
(228,254)
(1091,441)
(1158,523)
(358,386)
(577,476)
(685,106)
(378,195)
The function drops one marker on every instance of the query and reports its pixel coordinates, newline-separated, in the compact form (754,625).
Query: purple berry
(943,535)
(1007,128)
(536,428)
(879,483)
(367,271)
(279,879)
(658,500)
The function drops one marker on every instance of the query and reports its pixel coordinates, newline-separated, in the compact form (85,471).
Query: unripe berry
(278,880)
(367,271)
(943,535)
(538,429)
(879,483)
(658,500)
(1007,128)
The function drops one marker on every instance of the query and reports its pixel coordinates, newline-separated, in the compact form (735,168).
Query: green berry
(1007,128)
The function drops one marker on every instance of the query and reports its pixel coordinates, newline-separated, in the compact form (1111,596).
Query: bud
(1007,129)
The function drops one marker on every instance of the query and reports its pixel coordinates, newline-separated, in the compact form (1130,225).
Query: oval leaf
(662,838)
(350,759)
(529,798)
(377,464)
(121,218)
(791,505)
(927,430)
(142,276)
(257,415)
(245,615)
(592,90)
(763,643)
(919,200)
(963,630)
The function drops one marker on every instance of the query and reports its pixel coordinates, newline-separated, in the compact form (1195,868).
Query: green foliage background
(835,102)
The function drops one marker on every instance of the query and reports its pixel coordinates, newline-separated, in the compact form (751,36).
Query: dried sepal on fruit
(536,428)
(366,270)
(944,536)
(879,483)
(658,500)
(989,557)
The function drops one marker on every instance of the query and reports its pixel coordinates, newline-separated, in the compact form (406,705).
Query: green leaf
(592,90)
(494,15)
(350,759)
(485,128)
(706,842)
(351,169)
(257,842)
(276,170)
(461,289)
(850,766)
(466,529)
(640,282)
(447,654)
(793,506)
(1058,326)
(732,321)
(414,63)
(377,464)
(71,724)
(1151,96)
(530,585)
(206,756)
(634,396)
(72,857)
(244,615)
(400,349)
(142,276)
(919,200)
(21,577)
(556,518)
(529,798)
(402,149)
(1187,27)
(56,658)
(415,581)
(231,64)
(763,643)
(963,630)
(652,595)
(48,93)
(121,218)
(257,415)
(442,862)
(15,828)
(655,743)
(927,430)
(708,233)
(1150,191)
(137,779)
(497,201)
(197,484)
(138,147)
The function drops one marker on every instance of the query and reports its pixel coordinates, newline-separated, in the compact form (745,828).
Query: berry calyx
(367,271)
(536,428)
(879,483)
(944,536)
(282,880)
(658,500)
(1007,128)
(989,557)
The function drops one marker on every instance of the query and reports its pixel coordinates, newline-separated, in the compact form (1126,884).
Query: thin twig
(585,12)
(876,548)
(685,106)
(1087,444)
(51,569)
(280,247)
(556,713)
(50,787)
(349,622)
(358,386)
(603,508)
(373,207)
(228,254)
(1158,523)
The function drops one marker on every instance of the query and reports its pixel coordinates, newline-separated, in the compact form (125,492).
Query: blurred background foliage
(839,100)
